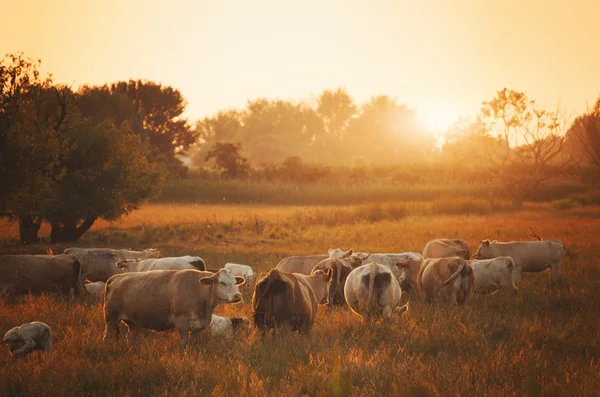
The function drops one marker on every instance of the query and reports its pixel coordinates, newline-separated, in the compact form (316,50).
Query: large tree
(584,137)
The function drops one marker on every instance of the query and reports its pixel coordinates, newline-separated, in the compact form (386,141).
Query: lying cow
(438,279)
(495,274)
(167,299)
(530,256)
(227,327)
(286,299)
(341,269)
(170,263)
(28,338)
(96,290)
(98,264)
(241,271)
(443,248)
(21,274)
(372,292)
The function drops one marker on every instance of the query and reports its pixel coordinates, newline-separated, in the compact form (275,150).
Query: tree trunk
(28,229)
(68,232)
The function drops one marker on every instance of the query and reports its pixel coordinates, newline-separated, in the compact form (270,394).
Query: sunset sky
(443,57)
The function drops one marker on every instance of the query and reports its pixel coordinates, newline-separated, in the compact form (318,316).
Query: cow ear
(208,280)
(239,280)
(330,251)
(485,242)
(348,253)
(402,265)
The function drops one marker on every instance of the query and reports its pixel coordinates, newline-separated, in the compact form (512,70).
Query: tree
(61,167)
(530,142)
(164,128)
(228,160)
(584,136)
(336,108)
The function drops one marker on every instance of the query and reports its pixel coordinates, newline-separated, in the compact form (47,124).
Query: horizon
(228,53)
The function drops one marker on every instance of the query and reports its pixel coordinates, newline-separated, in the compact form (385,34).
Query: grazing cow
(495,274)
(96,290)
(389,259)
(285,300)
(167,299)
(27,338)
(443,248)
(299,264)
(227,327)
(241,271)
(341,270)
(320,282)
(170,263)
(372,292)
(21,274)
(531,256)
(98,264)
(438,279)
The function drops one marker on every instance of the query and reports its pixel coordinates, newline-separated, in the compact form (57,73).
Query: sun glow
(437,120)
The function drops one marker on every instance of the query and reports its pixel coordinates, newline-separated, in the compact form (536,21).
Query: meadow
(542,342)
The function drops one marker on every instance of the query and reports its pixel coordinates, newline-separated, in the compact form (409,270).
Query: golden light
(438,120)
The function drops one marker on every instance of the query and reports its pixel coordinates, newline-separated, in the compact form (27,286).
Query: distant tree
(228,160)
(336,108)
(467,140)
(584,136)
(160,108)
(530,142)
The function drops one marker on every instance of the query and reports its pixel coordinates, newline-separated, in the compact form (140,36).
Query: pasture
(542,342)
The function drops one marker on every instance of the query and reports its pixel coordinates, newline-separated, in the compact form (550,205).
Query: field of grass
(542,342)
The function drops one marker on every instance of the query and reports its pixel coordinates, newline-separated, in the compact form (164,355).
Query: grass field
(542,342)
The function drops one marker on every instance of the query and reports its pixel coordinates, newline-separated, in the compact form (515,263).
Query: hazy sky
(443,57)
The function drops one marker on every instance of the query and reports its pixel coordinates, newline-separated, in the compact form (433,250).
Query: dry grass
(543,342)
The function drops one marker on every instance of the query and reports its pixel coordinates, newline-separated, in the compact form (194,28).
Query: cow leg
(400,309)
(111,330)
(183,328)
(46,344)
(555,276)
(28,347)
(133,333)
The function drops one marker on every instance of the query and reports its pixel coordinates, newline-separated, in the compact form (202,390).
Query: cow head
(339,254)
(124,265)
(484,251)
(150,253)
(407,272)
(225,286)
(322,284)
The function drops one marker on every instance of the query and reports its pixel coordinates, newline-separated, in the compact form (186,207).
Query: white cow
(495,274)
(228,326)
(169,263)
(27,338)
(372,291)
(531,256)
(241,271)
(96,290)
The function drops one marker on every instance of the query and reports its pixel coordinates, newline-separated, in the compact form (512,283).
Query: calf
(165,299)
(530,256)
(495,274)
(227,327)
(27,338)
(438,279)
(372,291)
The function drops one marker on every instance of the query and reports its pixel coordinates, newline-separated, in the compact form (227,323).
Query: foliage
(584,137)
(228,160)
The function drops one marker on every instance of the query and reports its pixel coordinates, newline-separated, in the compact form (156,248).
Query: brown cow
(98,264)
(442,248)
(438,279)
(165,299)
(21,274)
(285,300)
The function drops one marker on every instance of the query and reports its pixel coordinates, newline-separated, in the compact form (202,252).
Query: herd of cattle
(147,292)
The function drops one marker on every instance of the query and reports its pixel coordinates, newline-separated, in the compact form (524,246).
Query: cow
(530,256)
(169,263)
(442,248)
(447,279)
(28,338)
(227,327)
(341,270)
(21,274)
(372,291)
(495,274)
(96,290)
(241,271)
(165,299)
(320,282)
(283,300)
(98,264)
(299,264)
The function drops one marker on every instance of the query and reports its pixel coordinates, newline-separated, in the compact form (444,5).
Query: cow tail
(371,283)
(456,274)
(78,283)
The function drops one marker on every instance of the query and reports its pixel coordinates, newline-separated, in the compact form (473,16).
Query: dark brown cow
(21,274)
